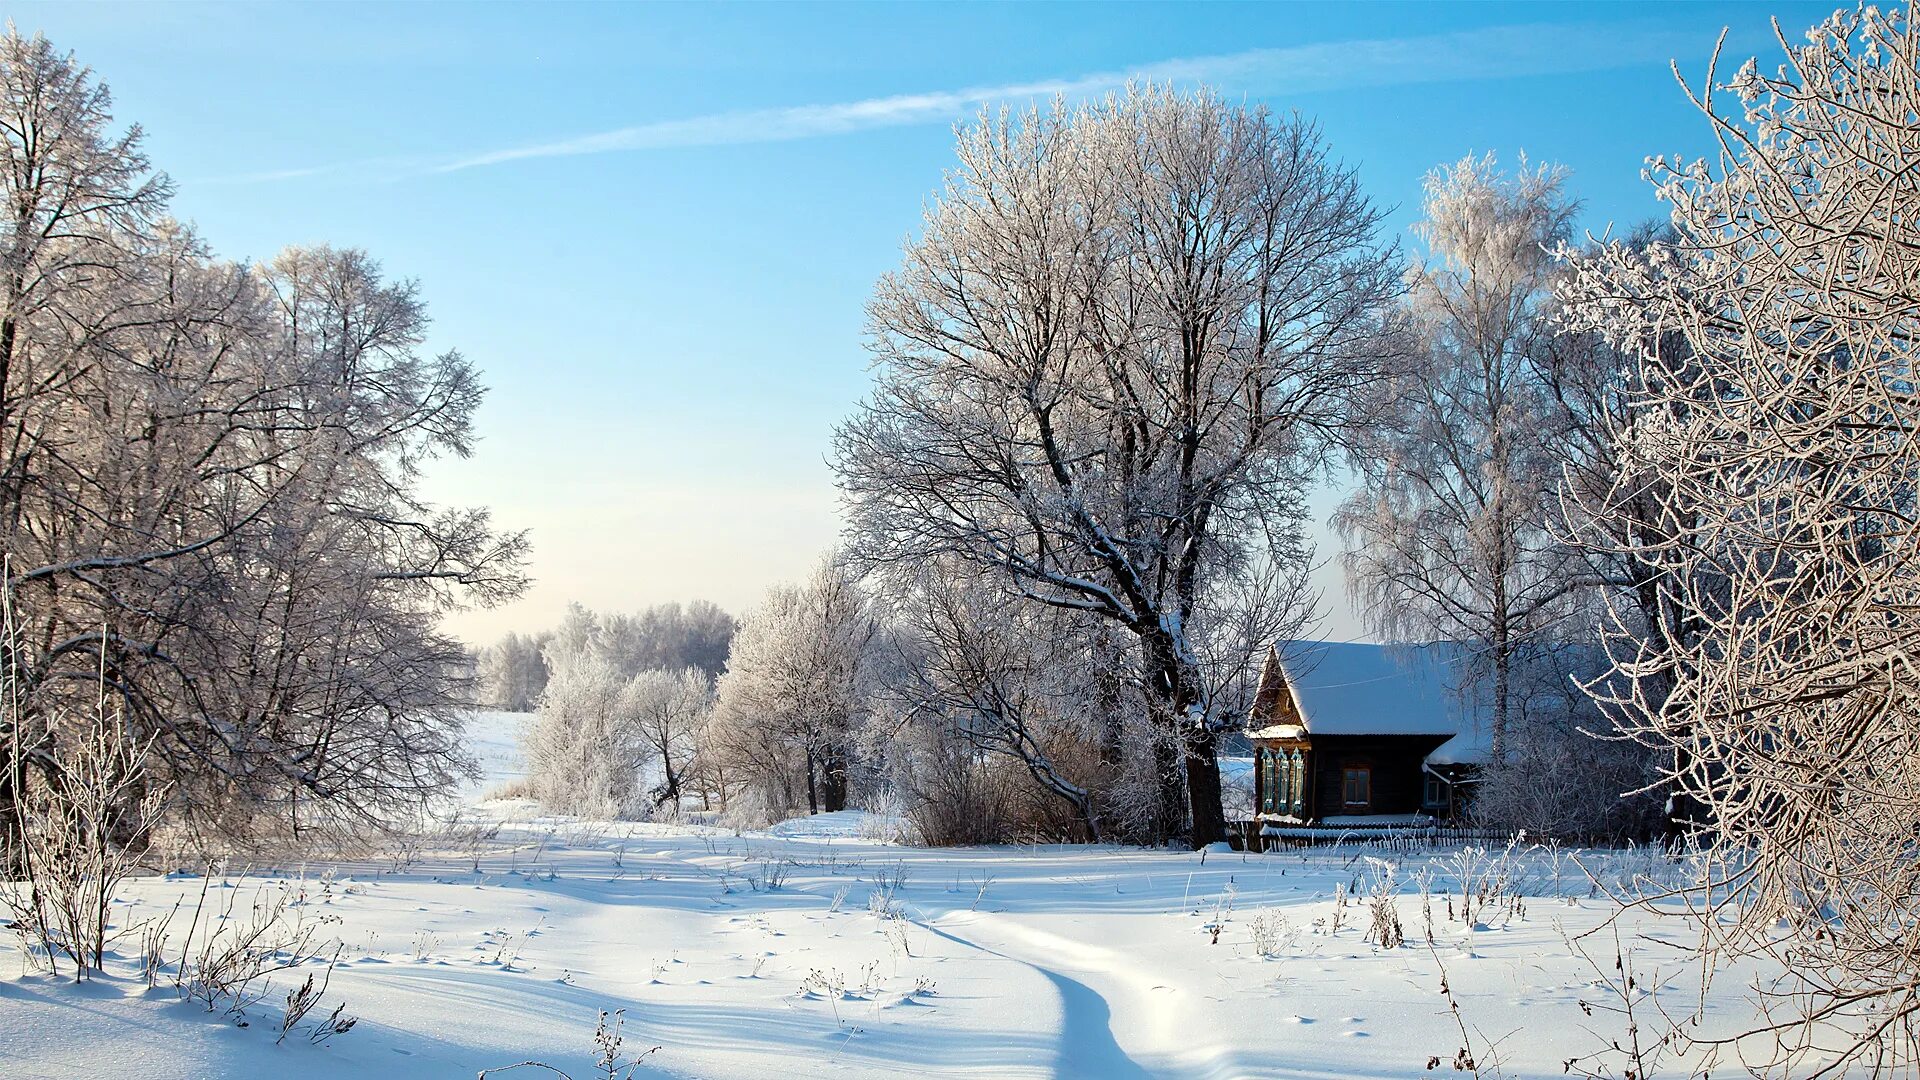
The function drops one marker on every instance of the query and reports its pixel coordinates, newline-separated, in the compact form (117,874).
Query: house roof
(1348,688)
(1471,747)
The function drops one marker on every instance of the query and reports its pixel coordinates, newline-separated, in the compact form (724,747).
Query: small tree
(667,710)
(979,678)
(795,693)
(81,826)
(582,751)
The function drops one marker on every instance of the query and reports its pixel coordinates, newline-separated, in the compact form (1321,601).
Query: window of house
(1357,785)
(1266,780)
(1284,787)
(1436,792)
(1297,782)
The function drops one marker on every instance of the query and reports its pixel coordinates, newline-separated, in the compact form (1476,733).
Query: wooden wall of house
(1399,785)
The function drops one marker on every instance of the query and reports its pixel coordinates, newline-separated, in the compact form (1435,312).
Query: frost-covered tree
(1570,772)
(1449,534)
(668,637)
(584,755)
(664,637)
(1612,525)
(796,690)
(667,710)
(1780,444)
(1107,369)
(513,673)
(977,677)
(209,488)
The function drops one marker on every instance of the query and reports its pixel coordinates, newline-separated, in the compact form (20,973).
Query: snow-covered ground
(810,950)
(494,740)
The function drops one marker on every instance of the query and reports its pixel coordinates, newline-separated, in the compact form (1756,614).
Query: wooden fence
(1260,836)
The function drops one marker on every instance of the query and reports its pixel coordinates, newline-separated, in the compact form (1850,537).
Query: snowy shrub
(750,807)
(1272,934)
(227,958)
(1383,916)
(77,835)
(952,795)
(886,819)
(305,998)
(610,1060)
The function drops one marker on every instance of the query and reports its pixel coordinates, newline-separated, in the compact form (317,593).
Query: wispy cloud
(270,175)
(1487,53)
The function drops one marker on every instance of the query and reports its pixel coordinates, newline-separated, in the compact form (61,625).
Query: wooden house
(1355,736)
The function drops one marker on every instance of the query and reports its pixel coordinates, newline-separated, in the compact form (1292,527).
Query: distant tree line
(514,671)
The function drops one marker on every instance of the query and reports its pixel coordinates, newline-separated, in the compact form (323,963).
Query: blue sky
(654,227)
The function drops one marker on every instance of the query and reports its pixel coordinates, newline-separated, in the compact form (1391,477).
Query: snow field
(814,950)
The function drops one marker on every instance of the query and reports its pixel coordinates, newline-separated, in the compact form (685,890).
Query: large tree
(208,488)
(1779,446)
(1108,368)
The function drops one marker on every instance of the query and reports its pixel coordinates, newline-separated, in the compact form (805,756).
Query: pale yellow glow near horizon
(654,544)
(620,543)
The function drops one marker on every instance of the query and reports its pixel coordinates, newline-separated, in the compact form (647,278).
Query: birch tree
(1780,446)
(1449,533)
(1109,366)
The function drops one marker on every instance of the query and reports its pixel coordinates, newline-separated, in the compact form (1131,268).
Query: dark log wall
(1398,783)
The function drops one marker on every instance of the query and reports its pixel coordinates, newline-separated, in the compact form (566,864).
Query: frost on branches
(210,493)
(1781,441)
(620,718)
(796,691)
(1448,534)
(1108,370)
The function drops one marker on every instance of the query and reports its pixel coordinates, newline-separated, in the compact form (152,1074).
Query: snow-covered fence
(1404,839)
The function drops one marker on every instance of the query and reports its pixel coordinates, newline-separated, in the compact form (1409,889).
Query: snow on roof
(1471,747)
(1348,688)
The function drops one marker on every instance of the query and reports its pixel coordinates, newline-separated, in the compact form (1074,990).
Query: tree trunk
(672,787)
(813,791)
(833,781)
(1186,751)
(1169,811)
(1502,690)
